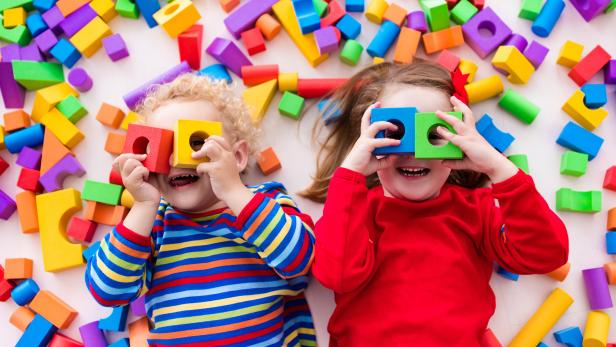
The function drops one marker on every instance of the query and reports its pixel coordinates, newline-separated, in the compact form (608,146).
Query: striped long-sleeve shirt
(215,279)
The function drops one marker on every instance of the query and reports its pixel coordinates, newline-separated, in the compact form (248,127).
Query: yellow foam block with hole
(131,117)
(89,39)
(586,117)
(177,16)
(469,68)
(307,45)
(184,131)
(287,81)
(104,8)
(45,99)
(258,98)
(54,211)
(64,130)
(570,54)
(510,59)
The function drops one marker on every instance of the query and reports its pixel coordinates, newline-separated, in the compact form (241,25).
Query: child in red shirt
(407,244)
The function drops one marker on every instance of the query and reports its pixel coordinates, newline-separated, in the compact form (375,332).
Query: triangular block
(259,97)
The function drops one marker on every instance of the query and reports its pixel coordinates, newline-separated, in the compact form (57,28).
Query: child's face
(191,193)
(410,178)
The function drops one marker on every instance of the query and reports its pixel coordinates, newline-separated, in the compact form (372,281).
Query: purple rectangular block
(29,158)
(54,177)
(597,289)
(228,54)
(31,53)
(13,94)
(245,16)
(93,335)
(77,20)
(53,18)
(536,53)
(115,47)
(417,20)
(137,306)
(11,52)
(46,40)
(610,72)
(518,41)
(7,206)
(133,98)
(326,39)
(485,20)
(589,9)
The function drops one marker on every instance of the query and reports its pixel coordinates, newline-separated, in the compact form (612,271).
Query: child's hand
(480,155)
(360,158)
(135,178)
(224,172)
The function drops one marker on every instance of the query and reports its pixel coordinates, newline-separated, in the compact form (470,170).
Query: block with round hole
(189,137)
(404,119)
(156,143)
(425,124)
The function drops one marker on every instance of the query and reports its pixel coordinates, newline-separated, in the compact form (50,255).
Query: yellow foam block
(597,329)
(2,145)
(54,210)
(177,16)
(510,59)
(131,117)
(543,319)
(307,45)
(258,98)
(588,118)
(377,60)
(469,68)
(375,11)
(570,54)
(45,99)
(89,39)
(187,131)
(14,17)
(104,8)
(484,89)
(126,199)
(287,81)
(64,130)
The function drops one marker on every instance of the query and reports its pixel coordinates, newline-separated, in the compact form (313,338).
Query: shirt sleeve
(344,251)
(281,234)
(524,235)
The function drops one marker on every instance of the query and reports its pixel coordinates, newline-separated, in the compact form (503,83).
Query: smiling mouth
(182,180)
(413,172)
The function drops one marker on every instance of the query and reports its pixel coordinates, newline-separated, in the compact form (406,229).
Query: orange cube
(268,161)
(228,5)
(52,308)
(110,115)
(611,219)
(16,120)
(115,143)
(17,268)
(396,14)
(268,25)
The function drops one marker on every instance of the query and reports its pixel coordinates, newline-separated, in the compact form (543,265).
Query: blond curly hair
(236,119)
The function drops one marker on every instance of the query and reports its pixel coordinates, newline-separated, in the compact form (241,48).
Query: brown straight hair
(353,98)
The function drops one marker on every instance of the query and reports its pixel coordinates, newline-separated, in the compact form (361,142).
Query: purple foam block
(137,307)
(93,335)
(487,21)
(518,41)
(115,47)
(228,54)
(53,18)
(10,52)
(77,20)
(597,289)
(54,177)
(133,98)
(417,20)
(29,158)
(31,53)
(589,9)
(245,16)
(536,53)
(13,94)
(46,40)
(326,39)
(7,206)
(80,79)
(609,73)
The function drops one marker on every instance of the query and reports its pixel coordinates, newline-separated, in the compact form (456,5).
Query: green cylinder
(519,106)
(351,52)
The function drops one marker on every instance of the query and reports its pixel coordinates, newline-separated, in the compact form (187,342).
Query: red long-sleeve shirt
(417,273)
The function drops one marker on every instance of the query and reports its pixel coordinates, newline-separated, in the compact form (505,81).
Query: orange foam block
(115,143)
(407,44)
(138,332)
(53,151)
(21,317)
(395,13)
(611,219)
(67,7)
(17,268)
(52,308)
(26,208)
(268,161)
(228,5)
(443,39)
(16,120)
(105,214)
(269,26)
(561,273)
(110,115)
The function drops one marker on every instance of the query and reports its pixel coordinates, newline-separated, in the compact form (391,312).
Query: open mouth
(182,180)
(413,172)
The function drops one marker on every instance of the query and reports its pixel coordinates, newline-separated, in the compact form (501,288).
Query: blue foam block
(496,137)
(547,18)
(66,53)
(24,292)
(31,136)
(595,95)
(125,342)
(216,72)
(384,38)
(354,5)
(402,117)
(43,5)
(330,112)
(38,333)
(580,140)
(349,27)
(571,337)
(116,321)
(89,252)
(36,24)
(147,9)
(506,274)
(307,16)
(610,242)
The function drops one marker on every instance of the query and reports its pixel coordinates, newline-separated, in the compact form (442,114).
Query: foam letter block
(64,130)
(496,137)
(586,117)
(228,54)
(425,123)
(177,16)
(110,115)
(570,54)
(511,60)
(160,143)
(259,97)
(592,63)
(17,268)
(54,309)
(189,44)
(189,135)
(577,201)
(579,139)
(268,161)
(404,119)
(90,39)
(54,210)
(38,333)
(573,163)
(485,19)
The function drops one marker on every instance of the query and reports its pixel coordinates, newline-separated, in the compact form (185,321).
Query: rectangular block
(105,193)
(592,63)
(89,39)
(17,268)
(54,309)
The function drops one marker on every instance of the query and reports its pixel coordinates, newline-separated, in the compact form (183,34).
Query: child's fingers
(204,168)
(118,162)
(377,127)
(365,119)
(221,141)
(137,175)
(385,142)
(213,150)
(129,166)
(459,106)
(449,136)
(458,125)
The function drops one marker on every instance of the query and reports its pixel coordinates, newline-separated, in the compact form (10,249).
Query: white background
(153,52)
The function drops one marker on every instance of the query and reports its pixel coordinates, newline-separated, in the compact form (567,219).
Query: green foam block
(576,201)
(35,75)
(106,193)
(425,123)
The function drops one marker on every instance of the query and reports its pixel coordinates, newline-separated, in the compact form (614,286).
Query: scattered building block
(35,75)
(511,60)
(110,115)
(384,39)
(106,193)
(404,119)
(131,117)
(258,98)
(326,39)
(496,137)
(586,117)
(561,273)
(228,54)
(597,290)
(463,11)
(216,72)
(116,321)
(443,39)
(29,179)
(597,328)
(579,139)
(595,95)
(17,268)
(484,89)
(177,16)
(288,81)
(570,54)
(578,201)
(127,9)
(245,16)
(14,17)
(25,291)
(228,5)
(590,9)
(64,130)
(37,333)
(81,229)
(80,79)
(187,132)
(351,52)
(349,27)
(7,208)
(396,14)
(104,214)
(21,318)
(190,46)
(127,199)
(54,309)
(609,181)
(92,334)
(530,9)
(65,53)
(115,47)
(31,136)
(548,17)
(253,41)
(268,25)
(406,46)
(484,45)
(519,106)
(425,123)
(60,340)
(133,98)
(104,9)
(536,53)
(448,60)
(89,39)
(77,20)
(268,161)
(291,105)
(147,9)
(16,120)
(53,151)
(115,143)
(318,87)
(306,15)
(375,11)
(45,99)
(592,63)
(72,109)
(253,75)
(573,163)
(437,14)
(26,208)
(571,336)
(160,143)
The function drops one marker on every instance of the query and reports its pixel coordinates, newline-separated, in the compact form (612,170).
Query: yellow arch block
(258,98)
(54,210)
(64,130)
(588,118)
(184,130)
(597,329)
(510,59)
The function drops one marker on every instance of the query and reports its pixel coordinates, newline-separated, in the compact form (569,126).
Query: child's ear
(240,150)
